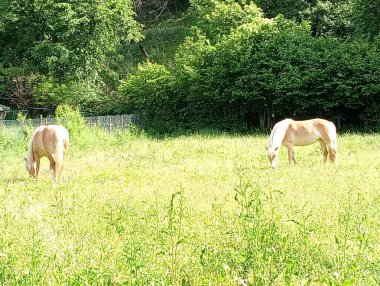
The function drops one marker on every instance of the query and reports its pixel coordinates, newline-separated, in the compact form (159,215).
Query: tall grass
(190,210)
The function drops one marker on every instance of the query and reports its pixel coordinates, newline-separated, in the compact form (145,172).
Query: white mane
(278,133)
(29,155)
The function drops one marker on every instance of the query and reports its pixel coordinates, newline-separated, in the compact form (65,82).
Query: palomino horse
(50,141)
(291,133)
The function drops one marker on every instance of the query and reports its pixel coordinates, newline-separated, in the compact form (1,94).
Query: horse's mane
(29,153)
(278,133)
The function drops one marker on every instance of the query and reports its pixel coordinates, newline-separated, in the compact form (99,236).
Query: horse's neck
(278,134)
(29,154)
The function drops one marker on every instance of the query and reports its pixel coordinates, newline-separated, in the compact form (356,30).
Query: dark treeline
(195,64)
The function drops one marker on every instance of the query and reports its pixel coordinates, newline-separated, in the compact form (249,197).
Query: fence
(109,122)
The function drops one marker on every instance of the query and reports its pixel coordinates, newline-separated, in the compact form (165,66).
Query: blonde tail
(333,148)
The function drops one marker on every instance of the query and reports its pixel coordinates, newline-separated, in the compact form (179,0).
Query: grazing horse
(291,133)
(50,141)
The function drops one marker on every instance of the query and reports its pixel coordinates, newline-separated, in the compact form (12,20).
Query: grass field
(203,209)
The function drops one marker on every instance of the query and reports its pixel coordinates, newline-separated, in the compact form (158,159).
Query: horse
(51,141)
(291,133)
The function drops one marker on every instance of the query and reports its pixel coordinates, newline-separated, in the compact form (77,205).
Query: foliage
(66,39)
(366,17)
(160,42)
(220,64)
(337,18)
(291,9)
(219,18)
(17,85)
(148,92)
(26,126)
(331,18)
(66,42)
(256,71)
(84,95)
(71,118)
(149,11)
(327,17)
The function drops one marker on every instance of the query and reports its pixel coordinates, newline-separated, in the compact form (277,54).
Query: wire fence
(108,123)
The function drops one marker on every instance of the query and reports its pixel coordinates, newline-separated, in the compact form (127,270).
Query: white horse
(50,141)
(291,133)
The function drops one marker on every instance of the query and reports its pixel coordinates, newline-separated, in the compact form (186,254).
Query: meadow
(201,209)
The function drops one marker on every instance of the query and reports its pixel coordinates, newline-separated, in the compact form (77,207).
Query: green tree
(61,40)
(217,18)
(149,11)
(291,9)
(366,15)
(327,17)
(242,72)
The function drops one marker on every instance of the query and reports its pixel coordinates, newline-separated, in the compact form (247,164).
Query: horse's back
(327,130)
(305,132)
(61,135)
(49,139)
(57,131)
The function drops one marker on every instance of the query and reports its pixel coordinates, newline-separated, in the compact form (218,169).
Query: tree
(65,40)
(149,11)
(327,17)
(238,68)
(366,15)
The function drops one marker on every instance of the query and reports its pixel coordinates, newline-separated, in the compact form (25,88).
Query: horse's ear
(275,149)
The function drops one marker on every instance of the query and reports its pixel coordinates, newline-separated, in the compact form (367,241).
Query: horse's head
(272,156)
(31,167)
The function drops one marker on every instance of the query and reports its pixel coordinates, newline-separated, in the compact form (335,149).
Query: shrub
(74,93)
(149,92)
(71,118)
(255,71)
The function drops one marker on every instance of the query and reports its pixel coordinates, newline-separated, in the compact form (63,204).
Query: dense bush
(257,72)
(71,118)
(84,95)
(148,92)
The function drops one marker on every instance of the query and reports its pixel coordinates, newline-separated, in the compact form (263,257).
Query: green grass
(190,210)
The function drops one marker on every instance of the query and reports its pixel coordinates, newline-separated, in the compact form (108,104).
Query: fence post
(41,119)
(109,123)
(122,121)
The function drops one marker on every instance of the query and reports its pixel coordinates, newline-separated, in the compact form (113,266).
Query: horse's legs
(324,150)
(58,165)
(37,165)
(53,167)
(333,154)
(59,168)
(291,155)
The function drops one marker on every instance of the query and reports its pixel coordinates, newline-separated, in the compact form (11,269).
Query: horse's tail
(61,145)
(333,146)
(66,141)
(333,136)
